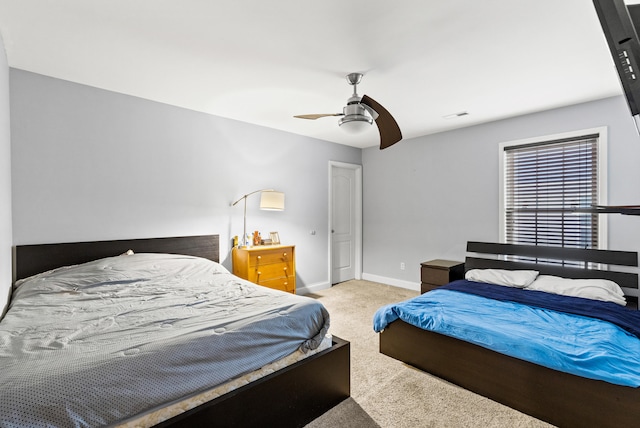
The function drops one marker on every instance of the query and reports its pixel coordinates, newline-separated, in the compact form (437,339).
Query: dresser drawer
(272,271)
(269,257)
(435,276)
(283,284)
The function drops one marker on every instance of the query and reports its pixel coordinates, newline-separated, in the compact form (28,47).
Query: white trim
(310,289)
(603,228)
(391,281)
(358,214)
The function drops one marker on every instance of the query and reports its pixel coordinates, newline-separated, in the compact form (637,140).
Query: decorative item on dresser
(435,273)
(272,266)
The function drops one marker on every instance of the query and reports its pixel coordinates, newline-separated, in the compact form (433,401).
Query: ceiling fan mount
(354,114)
(354,78)
(361,112)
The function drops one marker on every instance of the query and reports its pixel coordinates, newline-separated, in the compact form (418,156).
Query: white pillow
(595,289)
(509,278)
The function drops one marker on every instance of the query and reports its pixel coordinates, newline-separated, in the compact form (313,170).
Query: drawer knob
(259,257)
(285,254)
(259,273)
(284,268)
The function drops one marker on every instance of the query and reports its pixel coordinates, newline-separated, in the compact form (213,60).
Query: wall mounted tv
(619,20)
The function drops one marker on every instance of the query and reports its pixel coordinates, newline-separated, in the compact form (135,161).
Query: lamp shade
(271,200)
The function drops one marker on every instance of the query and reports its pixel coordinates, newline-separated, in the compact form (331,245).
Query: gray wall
(425,198)
(90,164)
(5,182)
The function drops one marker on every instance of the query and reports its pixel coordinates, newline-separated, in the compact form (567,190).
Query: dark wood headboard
(32,259)
(556,254)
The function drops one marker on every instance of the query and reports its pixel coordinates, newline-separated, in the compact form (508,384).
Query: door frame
(358,220)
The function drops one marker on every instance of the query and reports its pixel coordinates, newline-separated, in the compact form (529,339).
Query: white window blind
(544,183)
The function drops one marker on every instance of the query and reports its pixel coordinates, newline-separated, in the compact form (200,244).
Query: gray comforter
(98,343)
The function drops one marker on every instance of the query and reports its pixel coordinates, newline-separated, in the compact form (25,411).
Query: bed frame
(559,398)
(290,397)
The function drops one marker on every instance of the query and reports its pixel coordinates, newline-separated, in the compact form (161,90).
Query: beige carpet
(387,393)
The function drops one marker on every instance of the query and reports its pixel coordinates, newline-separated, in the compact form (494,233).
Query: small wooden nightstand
(435,273)
(272,266)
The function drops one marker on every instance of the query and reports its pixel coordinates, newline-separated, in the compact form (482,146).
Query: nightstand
(272,266)
(435,273)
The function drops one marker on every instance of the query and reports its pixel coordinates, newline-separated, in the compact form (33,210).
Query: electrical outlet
(401,265)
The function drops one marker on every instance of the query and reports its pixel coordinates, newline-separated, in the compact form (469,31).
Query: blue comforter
(568,342)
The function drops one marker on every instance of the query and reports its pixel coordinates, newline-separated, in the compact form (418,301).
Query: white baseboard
(415,286)
(312,288)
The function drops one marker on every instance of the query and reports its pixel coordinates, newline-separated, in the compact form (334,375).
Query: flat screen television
(619,21)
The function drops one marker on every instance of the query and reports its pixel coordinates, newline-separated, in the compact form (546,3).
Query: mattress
(568,342)
(103,342)
(155,416)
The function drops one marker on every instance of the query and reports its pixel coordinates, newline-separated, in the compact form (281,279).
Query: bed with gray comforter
(99,343)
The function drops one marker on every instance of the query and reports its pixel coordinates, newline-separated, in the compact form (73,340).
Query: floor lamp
(270,200)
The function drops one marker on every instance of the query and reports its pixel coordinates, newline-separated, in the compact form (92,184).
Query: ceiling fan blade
(317,116)
(387,125)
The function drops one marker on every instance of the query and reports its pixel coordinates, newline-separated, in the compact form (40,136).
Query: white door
(345,223)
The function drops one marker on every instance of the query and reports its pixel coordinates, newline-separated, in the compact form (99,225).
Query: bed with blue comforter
(589,338)
(558,348)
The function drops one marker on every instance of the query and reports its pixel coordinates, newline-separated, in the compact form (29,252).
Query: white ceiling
(264,62)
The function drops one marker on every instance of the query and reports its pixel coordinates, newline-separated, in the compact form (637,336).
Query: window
(545,183)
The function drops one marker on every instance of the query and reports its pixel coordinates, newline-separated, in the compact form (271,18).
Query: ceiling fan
(361,112)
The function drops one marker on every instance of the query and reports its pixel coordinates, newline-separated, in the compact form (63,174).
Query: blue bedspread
(625,318)
(571,343)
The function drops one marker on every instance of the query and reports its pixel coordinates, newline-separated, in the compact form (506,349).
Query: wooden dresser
(272,266)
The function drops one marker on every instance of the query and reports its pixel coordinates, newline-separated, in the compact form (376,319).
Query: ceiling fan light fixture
(355,119)
(355,123)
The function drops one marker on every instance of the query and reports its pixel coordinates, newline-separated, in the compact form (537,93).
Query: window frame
(601,172)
